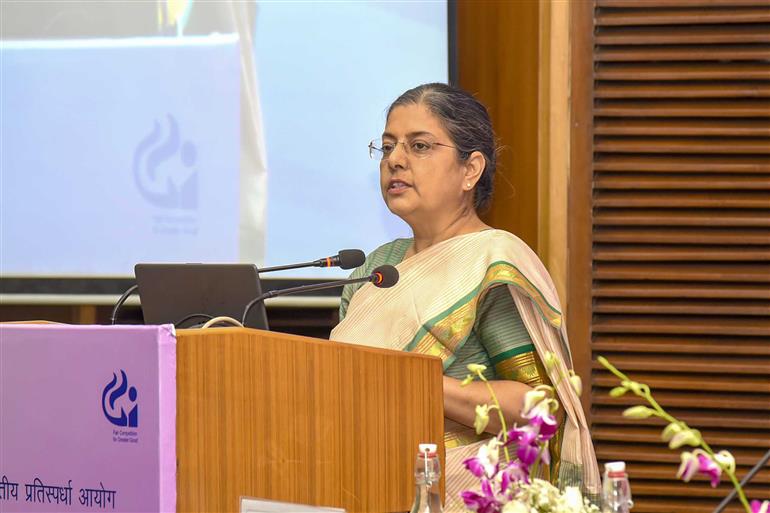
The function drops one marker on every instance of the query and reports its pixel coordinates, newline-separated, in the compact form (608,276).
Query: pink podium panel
(87,418)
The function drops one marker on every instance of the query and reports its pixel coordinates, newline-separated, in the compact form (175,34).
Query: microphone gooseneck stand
(383,276)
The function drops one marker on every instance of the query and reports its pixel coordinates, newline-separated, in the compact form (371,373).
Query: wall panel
(497,48)
(671,168)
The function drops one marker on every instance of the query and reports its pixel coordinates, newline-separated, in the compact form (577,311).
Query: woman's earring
(468,185)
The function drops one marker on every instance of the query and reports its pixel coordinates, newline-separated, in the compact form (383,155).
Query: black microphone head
(384,276)
(351,258)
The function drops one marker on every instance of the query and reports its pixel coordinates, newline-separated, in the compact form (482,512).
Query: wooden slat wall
(681,233)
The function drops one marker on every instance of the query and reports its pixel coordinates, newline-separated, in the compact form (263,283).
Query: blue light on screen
(124,150)
(117,152)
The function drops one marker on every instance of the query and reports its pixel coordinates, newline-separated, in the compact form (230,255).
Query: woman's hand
(460,402)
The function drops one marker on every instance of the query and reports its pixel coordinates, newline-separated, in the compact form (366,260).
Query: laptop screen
(187,295)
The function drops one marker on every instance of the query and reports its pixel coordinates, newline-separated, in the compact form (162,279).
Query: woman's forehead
(410,119)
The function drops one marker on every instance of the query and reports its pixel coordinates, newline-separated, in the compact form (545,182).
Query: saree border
(447,332)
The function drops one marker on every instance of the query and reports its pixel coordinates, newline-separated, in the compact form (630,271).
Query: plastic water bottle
(616,492)
(426,480)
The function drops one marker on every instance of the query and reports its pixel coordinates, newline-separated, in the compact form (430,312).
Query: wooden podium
(300,420)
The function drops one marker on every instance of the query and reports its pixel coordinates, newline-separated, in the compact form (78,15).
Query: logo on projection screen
(125,414)
(164,167)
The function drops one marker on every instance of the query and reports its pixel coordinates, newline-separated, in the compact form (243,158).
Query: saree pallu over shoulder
(432,310)
(412,316)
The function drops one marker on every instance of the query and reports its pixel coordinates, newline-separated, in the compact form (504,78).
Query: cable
(191,316)
(221,318)
(131,290)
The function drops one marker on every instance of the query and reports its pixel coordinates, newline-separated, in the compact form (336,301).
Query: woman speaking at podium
(467,293)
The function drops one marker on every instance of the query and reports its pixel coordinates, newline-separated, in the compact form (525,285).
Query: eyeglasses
(420,148)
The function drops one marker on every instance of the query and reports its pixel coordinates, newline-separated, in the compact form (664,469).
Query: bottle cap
(615,469)
(429,448)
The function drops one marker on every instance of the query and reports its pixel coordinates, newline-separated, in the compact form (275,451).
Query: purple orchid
(505,481)
(526,439)
(516,471)
(541,415)
(484,502)
(501,483)
(527,452)
(485,463)
(708,467)
(475,466)
(545,455)
(760,507)
(542,424)
(486,488)
(477,502)
(516,434)
(699,461)
(529,440)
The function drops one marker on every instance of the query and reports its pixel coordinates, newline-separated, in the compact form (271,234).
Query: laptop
(188,295)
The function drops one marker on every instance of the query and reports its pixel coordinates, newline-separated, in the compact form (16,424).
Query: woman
(467,293)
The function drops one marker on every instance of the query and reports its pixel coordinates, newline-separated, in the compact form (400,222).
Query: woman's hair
(468,124)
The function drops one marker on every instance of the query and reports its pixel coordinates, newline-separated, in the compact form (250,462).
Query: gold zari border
(443,338)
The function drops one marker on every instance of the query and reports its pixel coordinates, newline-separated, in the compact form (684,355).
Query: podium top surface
(234,332)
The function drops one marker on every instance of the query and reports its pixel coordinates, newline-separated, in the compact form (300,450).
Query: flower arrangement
(508,484)
(702,459)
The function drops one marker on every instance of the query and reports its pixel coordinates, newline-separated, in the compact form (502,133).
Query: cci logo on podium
(126,414)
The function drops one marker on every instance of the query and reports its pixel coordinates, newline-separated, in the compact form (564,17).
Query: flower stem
(500,413)
(642,390)
(536,465)
(731,474)
(607,365)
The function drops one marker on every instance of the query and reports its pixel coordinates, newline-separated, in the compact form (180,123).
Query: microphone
(384,276)
(346,259)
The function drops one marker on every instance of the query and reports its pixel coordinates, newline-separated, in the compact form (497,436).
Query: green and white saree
(483,297)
